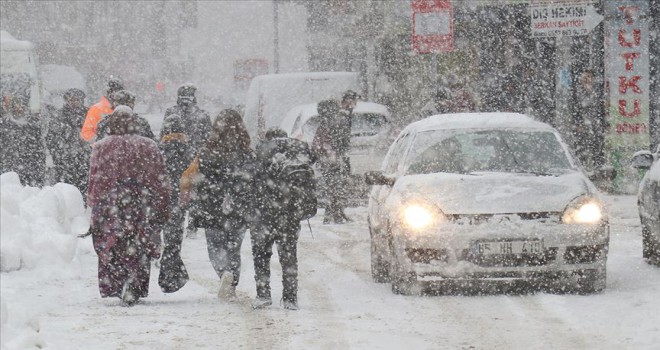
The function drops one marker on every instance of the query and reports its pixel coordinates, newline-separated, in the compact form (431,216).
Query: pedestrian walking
(99,110)
(286,195)
(178,155)
(330,148)
(224,197)
(69,152)
(197,126)
(196,121)
(125,98)
(129,193)
(21,144)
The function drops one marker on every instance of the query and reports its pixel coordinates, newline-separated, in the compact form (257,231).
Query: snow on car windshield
(511,151)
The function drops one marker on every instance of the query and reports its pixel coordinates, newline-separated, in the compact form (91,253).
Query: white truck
(18,57)
(271,96)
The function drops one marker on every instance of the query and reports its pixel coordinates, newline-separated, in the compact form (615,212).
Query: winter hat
(186,94)
(114,85)
(187,89)
(442,93)
(275,133)
(122,97)
(172,124)
(350,95)
(327,107)
(122,121)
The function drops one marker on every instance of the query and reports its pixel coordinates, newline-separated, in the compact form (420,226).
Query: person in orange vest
(98,111)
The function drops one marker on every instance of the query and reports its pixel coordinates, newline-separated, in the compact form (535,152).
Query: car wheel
(592,281)
(647,244)
(403,283)
(650,248)
(380,266)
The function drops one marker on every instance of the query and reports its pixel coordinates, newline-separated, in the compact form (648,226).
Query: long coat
(70,153)
(129,192)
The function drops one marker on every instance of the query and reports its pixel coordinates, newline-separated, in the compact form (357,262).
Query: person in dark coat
(330,148)
(196,121)
(196,124)
(225,202)
(70,153)
(440,104)
(125,98)
(21,146)
(277,220)
(129,193)
(178,155)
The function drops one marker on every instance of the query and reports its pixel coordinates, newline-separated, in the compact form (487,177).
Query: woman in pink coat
(129,193)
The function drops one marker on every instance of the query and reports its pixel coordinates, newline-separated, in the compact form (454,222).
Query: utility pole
(654,65)
(276,37)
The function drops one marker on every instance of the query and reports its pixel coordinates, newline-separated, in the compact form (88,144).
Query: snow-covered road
(341,308)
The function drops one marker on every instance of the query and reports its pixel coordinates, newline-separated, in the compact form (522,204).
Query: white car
(481,197)
(369,133)
(648,201)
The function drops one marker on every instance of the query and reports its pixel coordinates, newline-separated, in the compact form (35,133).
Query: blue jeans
(224,247)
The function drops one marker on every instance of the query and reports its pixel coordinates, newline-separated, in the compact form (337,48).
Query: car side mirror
(642,160)
(378,178)
(607,173)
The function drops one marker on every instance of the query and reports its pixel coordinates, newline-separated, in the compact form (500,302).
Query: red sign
(433,26)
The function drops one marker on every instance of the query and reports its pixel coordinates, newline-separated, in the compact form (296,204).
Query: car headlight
(583,211)
(418,216)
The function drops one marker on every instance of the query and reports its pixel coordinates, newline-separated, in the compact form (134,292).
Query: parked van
(271,96)
(18,57)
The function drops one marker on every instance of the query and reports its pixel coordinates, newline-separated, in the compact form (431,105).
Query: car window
(395,155)
(310,127)
(367,124)
(296,124)
(511,151)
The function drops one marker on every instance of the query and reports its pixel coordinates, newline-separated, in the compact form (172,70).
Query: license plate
(508,247)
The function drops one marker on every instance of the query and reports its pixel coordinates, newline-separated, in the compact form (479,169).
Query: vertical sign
(627,66)
(433,28)
(628,71)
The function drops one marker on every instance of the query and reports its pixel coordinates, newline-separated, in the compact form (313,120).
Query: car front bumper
(452,251)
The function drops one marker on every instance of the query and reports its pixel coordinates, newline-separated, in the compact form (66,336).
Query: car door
(378,196)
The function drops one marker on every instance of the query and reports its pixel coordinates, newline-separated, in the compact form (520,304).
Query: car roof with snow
(361,107)
(308,111)
(9,43)
(493,120)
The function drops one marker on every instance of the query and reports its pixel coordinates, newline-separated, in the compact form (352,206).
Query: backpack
(289,167)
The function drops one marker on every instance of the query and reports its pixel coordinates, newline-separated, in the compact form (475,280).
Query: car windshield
(510,151)
(367,124)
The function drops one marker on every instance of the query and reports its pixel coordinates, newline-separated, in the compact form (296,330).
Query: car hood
(494,193)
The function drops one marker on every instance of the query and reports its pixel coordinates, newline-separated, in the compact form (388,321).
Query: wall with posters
(627,73)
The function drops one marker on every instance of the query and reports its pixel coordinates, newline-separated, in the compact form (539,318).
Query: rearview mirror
(378,178)
(642,160)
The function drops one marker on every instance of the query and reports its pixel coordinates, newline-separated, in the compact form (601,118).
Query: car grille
(511,260)
(477,219)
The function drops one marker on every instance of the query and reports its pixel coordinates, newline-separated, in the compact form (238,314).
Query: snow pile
(38,229)
(39,225)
